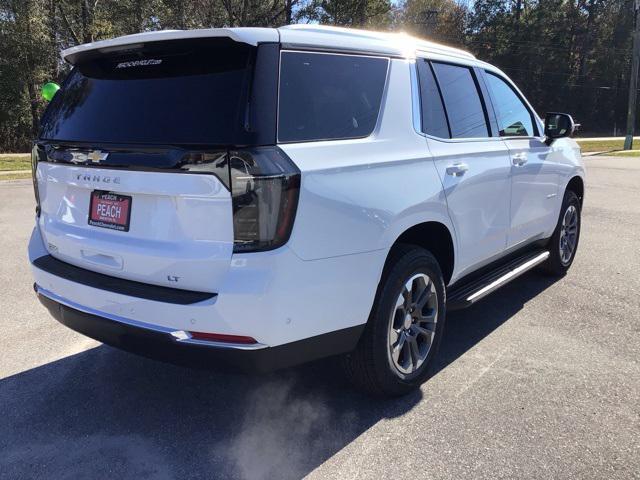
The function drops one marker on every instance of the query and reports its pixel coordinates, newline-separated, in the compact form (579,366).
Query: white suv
(257,198)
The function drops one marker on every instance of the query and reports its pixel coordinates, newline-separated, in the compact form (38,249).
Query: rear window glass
(329,96)
(181,92)
(462,100)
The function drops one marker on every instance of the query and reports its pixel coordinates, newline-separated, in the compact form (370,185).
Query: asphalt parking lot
(540,380)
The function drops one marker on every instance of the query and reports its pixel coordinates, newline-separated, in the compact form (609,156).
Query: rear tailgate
(180,226)
(132,157)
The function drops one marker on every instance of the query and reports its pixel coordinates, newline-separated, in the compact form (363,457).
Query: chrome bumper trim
(179,336)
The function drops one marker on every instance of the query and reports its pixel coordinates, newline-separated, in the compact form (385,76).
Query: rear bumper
(160,343)
(296,310)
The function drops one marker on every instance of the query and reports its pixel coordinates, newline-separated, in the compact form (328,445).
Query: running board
(467,294)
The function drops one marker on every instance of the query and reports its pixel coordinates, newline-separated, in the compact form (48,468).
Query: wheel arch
(433,236)
(576,185)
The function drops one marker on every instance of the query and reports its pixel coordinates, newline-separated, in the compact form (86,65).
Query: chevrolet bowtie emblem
(96,156)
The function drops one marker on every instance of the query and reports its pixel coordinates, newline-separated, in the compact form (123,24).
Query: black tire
(371,367)
(555,264)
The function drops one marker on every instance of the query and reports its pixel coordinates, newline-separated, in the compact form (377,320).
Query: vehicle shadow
(104,413)
(465,328)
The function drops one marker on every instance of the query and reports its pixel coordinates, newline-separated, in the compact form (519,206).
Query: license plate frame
(116,205)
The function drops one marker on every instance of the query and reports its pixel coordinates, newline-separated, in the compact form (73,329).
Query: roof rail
(400,39)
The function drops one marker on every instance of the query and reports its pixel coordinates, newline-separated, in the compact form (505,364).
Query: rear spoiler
(250,36)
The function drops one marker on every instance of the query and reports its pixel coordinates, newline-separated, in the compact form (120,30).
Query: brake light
(265,185)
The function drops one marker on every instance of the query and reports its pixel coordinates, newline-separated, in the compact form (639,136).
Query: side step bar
(468,293)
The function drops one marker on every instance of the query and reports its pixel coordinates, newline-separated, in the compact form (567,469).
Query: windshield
(176,92)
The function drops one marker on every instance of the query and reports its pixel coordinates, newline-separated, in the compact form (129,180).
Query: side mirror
(558,125)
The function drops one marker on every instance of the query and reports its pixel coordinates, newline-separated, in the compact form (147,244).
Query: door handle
(457,169)
(519,159)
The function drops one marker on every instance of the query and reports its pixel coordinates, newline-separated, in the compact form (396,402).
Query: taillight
(265,185)
(211,162)
(34,170)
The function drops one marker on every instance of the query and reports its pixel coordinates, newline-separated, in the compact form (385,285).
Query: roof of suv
(317,37)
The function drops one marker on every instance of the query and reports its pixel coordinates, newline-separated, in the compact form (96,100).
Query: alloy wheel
(412,324)
(568,234)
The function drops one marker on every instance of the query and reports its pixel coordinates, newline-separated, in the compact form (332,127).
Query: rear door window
(329,96)
(434,118)
(462,100)
(514,118)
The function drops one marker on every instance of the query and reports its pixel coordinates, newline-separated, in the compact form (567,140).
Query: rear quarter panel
(360,195)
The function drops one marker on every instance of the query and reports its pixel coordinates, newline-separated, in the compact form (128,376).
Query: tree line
(566,55)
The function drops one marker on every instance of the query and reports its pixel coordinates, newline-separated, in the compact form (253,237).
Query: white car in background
(256,198)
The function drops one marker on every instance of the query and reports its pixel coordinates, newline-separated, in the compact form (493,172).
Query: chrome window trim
(294,47)
(464,140)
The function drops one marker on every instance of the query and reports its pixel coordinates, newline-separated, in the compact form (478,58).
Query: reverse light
(265,185)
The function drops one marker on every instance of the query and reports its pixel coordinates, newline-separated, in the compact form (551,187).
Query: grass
(623,153)
(609,147)
(600,145)
(15,176)
(15,161)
